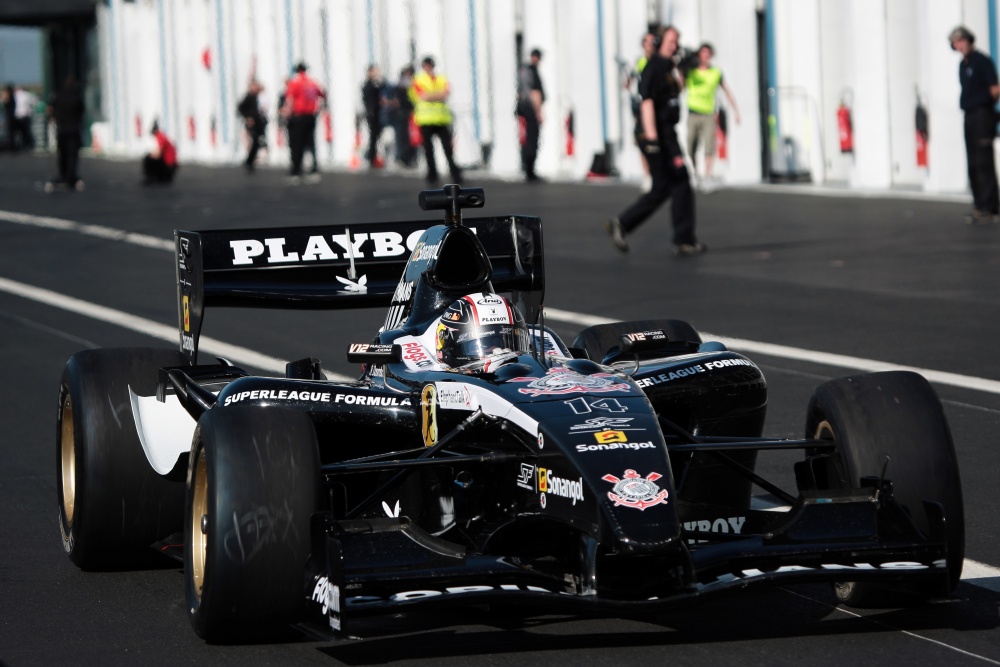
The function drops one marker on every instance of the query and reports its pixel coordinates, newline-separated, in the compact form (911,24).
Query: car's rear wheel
(112,505)
(601,339)
(253,486)
(895,415)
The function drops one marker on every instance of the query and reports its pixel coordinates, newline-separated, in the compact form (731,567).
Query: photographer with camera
(659,111)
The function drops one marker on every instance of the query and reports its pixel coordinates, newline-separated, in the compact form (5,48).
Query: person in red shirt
(160,164)
(303,100)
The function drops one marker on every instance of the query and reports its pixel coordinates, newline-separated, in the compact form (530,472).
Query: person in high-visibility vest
(702,82)
(430,93)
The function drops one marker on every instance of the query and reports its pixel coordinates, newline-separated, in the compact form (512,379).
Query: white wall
(878,52)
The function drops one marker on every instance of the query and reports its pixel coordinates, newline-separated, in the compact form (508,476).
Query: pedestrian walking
(303,100)
(530,97)
(702,83)
(66,111)
(980,91)
(430,92)
(660,110)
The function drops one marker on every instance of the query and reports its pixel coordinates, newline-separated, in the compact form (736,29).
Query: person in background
(702,83)
(660,89)
(24,111)
(160,165)
(371,98)
(648,47)
(251,109)
(430,93)
(7,98)
(303,100)
(66,110)
(401,113)
(980,91)
(530,97)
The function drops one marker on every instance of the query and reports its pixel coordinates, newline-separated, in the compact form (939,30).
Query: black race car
(490,463)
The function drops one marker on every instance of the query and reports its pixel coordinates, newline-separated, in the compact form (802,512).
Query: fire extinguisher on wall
(845,129)
(923,132)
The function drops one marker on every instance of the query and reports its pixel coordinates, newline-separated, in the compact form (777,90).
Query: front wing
(387,565)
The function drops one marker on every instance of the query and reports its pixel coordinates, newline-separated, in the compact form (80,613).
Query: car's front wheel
(253,485)
(894,422)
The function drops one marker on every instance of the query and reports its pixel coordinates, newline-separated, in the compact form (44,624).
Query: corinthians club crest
(634,490)
(564,381)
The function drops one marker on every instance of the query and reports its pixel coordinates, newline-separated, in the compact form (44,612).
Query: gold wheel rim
(199,510)
(824,431)
(67,461)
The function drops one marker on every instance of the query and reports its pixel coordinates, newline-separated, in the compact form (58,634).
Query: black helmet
(478,326)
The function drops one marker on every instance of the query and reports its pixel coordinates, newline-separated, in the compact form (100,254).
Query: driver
(479,333)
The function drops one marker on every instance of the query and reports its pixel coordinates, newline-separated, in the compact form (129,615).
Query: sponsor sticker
(640,336)
(605,437)
(560,381)
(319,248)
(358,287)
(604,423)
(732,524)
(391,512)
(304,396)
(525,477)
(187,313)
(553,485)
(328,595)
(416,356)
(454,396)
(634,490)
(428,415)
(603,447)
(369,399)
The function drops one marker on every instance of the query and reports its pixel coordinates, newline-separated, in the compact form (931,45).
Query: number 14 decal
(583,405)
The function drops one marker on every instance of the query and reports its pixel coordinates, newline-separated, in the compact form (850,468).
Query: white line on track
(780,351)
(800,354)
(236,354)
(908,633)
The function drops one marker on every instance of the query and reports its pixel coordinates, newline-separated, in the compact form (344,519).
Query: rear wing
(335,266)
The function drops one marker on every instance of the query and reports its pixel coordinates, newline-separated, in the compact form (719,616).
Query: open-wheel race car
(478,458)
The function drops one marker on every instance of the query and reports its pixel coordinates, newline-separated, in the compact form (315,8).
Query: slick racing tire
(600,339)
(112,505)
(896,415)
(253,485)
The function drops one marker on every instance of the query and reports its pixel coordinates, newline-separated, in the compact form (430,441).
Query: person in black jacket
(371,97)
(401,113)
(660,88)
(530,97)
(980,91)
(66,109)
(255,122)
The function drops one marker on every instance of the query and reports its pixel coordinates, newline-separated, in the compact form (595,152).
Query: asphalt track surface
(886,279)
